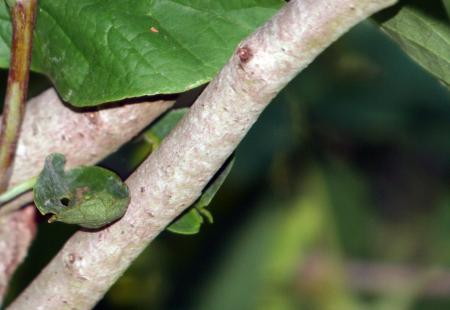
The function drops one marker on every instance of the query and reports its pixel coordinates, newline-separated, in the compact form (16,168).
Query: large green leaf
(97,51)
(423,31)
(87,196)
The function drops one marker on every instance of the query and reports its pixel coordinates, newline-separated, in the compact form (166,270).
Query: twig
(85,138)
(175,174)
(23,13)
(16,197)
(17,190)
(15,205)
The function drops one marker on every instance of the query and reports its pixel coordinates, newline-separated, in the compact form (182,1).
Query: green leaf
(97,51)
(11,3)
(212,188)
(91,197)
(423,31)
(190,222)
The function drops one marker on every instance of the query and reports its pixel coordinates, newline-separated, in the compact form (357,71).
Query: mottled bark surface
(174,176)
(85,138)
(16,233)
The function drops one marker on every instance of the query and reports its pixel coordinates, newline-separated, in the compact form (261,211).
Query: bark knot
(71,263)
(244,53)
(71,258)
(93,118)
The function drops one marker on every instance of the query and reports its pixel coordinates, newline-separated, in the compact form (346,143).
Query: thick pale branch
(85,138)
(174,176)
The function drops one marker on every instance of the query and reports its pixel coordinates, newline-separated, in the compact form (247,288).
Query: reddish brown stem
(23,13)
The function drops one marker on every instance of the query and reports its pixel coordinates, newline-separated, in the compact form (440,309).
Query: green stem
(152,139)
(23,14)
(17,190)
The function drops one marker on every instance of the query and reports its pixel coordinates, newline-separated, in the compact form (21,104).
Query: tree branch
(16,233)
(85,138)
(174,175)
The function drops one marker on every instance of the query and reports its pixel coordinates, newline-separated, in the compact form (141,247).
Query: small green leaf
(423,31)
(91,197)
(213,187)
(189,222)
(207,215)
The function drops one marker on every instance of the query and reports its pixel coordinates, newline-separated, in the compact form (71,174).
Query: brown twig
(23,14)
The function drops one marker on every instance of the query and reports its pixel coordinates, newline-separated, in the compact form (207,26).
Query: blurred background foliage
(339,199)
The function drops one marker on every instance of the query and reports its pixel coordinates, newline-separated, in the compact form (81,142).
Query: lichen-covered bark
(174,176)
(85,138)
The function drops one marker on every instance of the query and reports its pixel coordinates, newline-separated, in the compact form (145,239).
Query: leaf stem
(23,14)
(17,190)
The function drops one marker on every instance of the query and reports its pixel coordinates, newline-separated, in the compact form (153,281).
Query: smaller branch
(16,197)
(23,13)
